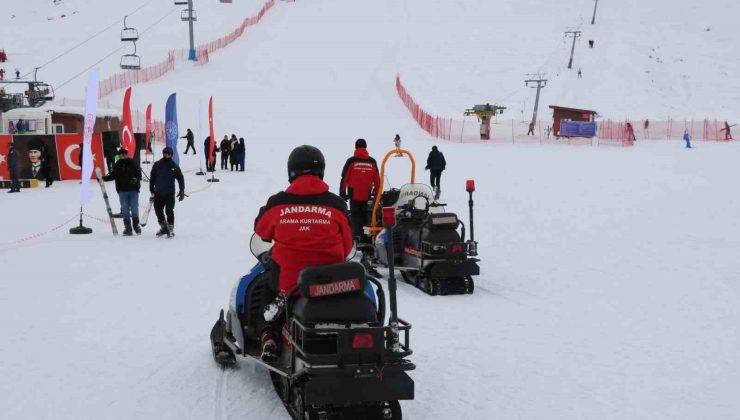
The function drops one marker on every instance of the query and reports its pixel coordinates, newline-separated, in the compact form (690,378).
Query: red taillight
(389,216)
(362,341)
(456,249)
(470,185)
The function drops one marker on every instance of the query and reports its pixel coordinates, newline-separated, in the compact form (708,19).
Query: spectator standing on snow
(17,74)
(162,186)
(2,74)
(630,132)
(15,185)
(210,167)
(225,151)
(436,164)
(191,141)
(128,183)
(579,73)
(687,138)
(46,165)
(531,129)
(242,154)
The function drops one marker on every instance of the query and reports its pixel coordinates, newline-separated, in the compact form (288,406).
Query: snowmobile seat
(334,293)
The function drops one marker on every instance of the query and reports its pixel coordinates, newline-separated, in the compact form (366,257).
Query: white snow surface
(608,276)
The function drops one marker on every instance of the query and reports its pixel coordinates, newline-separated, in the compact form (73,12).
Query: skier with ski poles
(128,183)
(162,186)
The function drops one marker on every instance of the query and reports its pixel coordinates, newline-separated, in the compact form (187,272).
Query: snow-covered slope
(607,287)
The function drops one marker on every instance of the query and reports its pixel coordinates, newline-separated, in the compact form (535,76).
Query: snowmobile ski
(99,176)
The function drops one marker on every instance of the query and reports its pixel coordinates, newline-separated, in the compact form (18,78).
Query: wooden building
(563,113)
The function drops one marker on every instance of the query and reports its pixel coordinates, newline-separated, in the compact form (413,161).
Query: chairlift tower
(484,114)
(188,15)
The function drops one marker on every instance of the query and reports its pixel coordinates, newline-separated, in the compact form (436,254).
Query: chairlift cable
(114,51)
(85,41)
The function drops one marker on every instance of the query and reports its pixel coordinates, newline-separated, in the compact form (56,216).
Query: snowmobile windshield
(258,246)
(418,194)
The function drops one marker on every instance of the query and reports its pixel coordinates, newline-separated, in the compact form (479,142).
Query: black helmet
(305,160)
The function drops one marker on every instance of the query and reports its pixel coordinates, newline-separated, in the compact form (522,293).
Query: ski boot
(162,229)
(127,228)
(170,231)
(137,227)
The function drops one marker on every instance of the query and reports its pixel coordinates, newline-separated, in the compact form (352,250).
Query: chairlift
(131,61)
(225,1)
(128,34)
(185,15)
(39,93)
(181,2)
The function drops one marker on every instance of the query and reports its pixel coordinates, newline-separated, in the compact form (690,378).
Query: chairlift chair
(128,34)
(225,1)
(131,61)
(185,15)
(181,2)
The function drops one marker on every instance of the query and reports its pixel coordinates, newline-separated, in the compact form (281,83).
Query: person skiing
(436,164)
(579,73)
(15,185)
(687,138)
(225,151)
(2,74)
(531,129)
(128,183)
(191,141)
(308,225)
(728,133)
(162,186)
(359,178)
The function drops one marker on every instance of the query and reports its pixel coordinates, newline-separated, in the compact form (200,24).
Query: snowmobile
(431,251)
(339,360)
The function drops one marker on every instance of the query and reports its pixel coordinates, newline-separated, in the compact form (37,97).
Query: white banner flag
(91,109)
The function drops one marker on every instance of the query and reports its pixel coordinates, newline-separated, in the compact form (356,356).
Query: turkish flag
(4,172)
(128,141)
(68,152)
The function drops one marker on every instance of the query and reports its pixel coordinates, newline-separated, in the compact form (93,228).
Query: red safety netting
(128,78)
(609,133)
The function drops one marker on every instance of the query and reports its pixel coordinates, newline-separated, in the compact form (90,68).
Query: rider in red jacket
(359,178)
(308,225)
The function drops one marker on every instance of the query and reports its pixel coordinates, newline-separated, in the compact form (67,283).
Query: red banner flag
(148,128)
(212,146)
(127,131)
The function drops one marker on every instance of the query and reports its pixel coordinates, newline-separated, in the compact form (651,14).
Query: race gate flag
(91,111)
(170,127)
(128,141)
(212,146)
(148,139)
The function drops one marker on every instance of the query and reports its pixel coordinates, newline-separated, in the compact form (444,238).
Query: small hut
(560,113)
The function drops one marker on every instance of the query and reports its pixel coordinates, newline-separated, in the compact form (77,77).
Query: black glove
(181,196)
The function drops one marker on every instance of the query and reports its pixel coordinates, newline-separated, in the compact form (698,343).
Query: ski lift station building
(60,119)
(560,113)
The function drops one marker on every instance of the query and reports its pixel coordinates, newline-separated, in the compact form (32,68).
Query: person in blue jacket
(687,138)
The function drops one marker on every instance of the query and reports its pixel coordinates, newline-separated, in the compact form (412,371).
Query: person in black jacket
(225,151)
(436,164)
(191,141)
(15,185)
(162,186)
(46,165)
(210,167)
(128,183)
(242,154)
